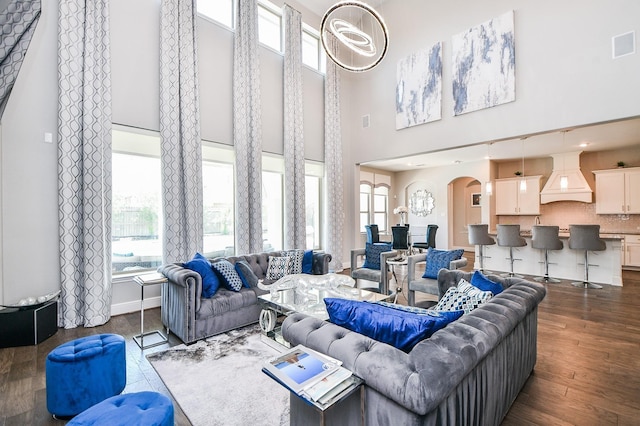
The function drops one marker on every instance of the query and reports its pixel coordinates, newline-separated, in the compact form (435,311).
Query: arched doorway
(464,208)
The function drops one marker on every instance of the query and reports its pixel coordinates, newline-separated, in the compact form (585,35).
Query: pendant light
(488,185)
(564,179)
(523,181)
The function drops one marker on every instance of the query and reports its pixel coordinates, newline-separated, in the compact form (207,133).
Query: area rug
(219,381)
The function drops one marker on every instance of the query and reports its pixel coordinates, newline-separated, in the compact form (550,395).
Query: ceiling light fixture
(354,35)
(523,181)
(564,179)
(488,185)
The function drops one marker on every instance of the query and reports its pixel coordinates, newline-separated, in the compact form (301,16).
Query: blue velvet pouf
(129,409)
(84,372)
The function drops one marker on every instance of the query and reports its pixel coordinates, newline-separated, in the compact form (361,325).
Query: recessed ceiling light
(583,145)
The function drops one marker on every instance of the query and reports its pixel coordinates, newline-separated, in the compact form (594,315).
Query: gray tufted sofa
(468,373)
(191,317)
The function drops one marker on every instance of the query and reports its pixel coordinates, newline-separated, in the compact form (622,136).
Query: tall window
(219,10)
(218,200)
(313,179)
(270,26)
(310,50)
(380,205)
(136,200)
(365,205)
(272,201)
(374,200)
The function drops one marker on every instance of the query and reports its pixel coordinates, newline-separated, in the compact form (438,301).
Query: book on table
(308,373)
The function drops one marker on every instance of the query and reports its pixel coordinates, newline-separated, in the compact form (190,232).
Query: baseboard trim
(134,306)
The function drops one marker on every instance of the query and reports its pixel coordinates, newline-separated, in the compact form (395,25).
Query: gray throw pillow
(248,277)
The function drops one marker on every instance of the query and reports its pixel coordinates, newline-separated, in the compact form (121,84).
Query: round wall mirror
(421,202)
(354,36)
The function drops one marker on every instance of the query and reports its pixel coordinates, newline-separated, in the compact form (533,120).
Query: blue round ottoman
(129,409)
(83,372)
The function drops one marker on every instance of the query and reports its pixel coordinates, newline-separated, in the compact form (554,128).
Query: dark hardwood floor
(587,373)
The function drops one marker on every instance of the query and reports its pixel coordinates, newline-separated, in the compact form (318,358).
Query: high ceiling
(319,7)
(601,137)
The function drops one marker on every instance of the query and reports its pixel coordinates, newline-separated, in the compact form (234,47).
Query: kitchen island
(605,266)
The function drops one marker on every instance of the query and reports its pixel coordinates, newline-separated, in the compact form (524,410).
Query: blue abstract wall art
(419,88)
(484,65)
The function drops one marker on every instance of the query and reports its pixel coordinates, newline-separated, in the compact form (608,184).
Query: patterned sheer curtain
(294,199)
(180,145)
(84,162)
(247,130)
(334,200)
(17,24)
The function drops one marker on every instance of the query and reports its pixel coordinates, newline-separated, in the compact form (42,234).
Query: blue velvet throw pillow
(247,276)
(395,327)
(479,280)
(210,281)
(228,275)
(438,259)
(372,254)
(307,262)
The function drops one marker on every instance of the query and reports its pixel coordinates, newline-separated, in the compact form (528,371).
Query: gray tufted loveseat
(191,317)
(468,373)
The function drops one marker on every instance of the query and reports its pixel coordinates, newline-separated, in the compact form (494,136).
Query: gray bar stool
(546,238)
(587,238)
(509,236)
(479,236)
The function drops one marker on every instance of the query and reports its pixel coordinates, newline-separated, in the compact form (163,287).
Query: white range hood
(566,169)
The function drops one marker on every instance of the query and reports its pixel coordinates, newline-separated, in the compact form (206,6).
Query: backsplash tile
(565,213)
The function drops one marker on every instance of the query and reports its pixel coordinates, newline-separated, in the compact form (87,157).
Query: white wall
(28,168)
(565,76)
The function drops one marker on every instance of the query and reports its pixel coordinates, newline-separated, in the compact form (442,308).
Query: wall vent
(365,121)
(623,44)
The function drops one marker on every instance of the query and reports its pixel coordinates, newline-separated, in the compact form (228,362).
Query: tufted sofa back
(259,262)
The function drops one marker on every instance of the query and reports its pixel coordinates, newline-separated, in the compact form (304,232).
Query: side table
(394,263)
(155,337)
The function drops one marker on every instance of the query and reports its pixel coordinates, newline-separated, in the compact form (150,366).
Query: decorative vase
(402,218)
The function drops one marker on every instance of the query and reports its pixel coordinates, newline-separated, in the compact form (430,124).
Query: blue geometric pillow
(372,254)
(307,262)
(402,330)
(438,259)
(210,281)
(485,284)
(247,276)
(228,274)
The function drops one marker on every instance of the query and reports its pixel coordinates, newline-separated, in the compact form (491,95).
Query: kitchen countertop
(526,233)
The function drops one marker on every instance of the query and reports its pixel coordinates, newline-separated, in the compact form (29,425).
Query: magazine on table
(302,370)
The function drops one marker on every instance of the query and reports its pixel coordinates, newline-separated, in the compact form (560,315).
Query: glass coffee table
(306,293)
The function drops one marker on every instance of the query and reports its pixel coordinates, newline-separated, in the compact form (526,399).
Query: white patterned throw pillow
(296,256)
(279,266)
(464,297)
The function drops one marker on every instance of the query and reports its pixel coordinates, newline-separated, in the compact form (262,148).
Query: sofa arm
(321,263)
(355,254)
(180,299)
(384,270)
(458,263)
(382,367)
(412,261)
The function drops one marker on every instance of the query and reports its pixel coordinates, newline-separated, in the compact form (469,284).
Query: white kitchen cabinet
(618,191)
(632,250)
(511,201)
